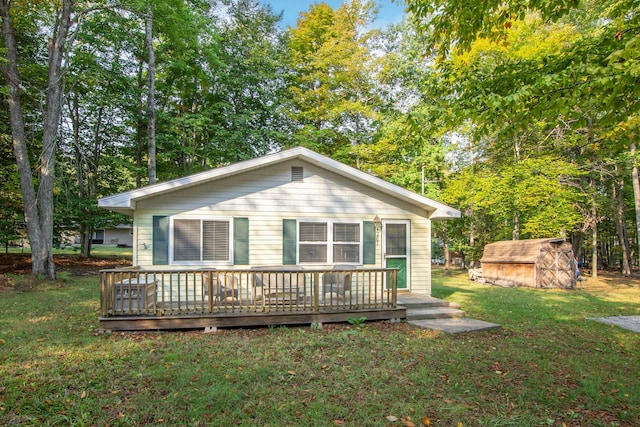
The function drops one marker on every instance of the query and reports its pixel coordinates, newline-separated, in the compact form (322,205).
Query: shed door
(396,248)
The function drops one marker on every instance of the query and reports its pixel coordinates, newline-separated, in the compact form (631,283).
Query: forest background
(522,114)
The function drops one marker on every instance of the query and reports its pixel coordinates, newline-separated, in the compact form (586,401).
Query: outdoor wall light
(377,223)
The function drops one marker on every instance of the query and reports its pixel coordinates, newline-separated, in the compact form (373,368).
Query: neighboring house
(295,207)
(120,235)
(535,263)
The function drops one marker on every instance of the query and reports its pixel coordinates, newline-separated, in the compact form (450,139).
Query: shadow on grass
(538,307)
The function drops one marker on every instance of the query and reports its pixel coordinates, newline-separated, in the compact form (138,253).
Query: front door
(396,248)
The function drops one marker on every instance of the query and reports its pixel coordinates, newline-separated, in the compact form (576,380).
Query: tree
(92,134)
(151,97)
(334,105)
(576,84)
(460,23)
(38,203)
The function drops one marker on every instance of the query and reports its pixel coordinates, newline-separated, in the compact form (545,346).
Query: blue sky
(389,11)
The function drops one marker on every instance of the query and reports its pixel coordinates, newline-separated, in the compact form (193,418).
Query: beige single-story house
(119,235)
(291,208)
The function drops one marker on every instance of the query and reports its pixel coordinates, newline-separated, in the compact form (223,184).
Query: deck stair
(433,313)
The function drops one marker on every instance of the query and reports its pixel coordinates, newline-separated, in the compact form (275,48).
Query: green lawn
(99,251)
(549,365)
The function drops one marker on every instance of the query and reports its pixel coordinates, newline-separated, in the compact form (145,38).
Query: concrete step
(455,326)
(419,301)
(434,313)
(428,312)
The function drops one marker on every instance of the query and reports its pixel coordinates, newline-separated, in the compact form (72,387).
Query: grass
(549,365)
(97,251)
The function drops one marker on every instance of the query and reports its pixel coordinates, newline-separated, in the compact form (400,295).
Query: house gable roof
(126,202)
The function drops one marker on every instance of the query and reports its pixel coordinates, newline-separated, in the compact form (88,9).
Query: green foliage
(334,106)
(458,22)
(220,88)
(520,113)
(543,98)
(537,190)
(357,321)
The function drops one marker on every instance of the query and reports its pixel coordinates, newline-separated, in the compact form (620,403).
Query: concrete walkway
(631,323)
(427,312)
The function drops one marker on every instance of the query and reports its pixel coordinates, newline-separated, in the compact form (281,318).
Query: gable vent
(297,174)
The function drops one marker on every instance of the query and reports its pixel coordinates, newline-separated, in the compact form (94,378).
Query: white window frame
(330,242)
(201,218)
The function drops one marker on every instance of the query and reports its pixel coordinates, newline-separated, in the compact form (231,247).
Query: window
(346,243)
(201,240)
(313,242)
(327,243)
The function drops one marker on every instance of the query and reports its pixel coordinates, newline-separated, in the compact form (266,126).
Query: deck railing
(139,292)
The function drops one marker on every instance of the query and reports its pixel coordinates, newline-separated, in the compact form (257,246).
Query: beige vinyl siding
(266,196)
(118,236)
(420,256)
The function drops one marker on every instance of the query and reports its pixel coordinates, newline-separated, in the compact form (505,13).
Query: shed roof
(126,202)
(515,251)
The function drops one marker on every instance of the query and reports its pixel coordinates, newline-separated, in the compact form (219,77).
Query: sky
(389,11)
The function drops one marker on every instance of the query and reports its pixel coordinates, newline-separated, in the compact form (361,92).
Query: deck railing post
(316,290)
(104,296)
(394,288)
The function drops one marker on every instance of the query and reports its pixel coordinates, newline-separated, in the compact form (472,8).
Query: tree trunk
(38,208)
(74,107)
(594,208)
(515,233)
(55,87)
(151,108)
(576,243)
(447,252)
(140,126)
(636,194)
(594,239)
(86,234)
(10,71)
(621,229)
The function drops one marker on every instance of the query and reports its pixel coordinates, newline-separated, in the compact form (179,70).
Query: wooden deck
(136,299)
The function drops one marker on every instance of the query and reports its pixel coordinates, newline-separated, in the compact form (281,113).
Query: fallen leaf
(338,422)
(426,421)
(83,394)
(392,419)
(292,373)
(407,422)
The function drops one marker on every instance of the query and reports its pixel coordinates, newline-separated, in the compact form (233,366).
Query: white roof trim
(125,202)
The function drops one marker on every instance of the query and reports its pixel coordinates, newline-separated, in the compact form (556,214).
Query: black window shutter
(241,241)
(369,242)
(160,240)
(289,241)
